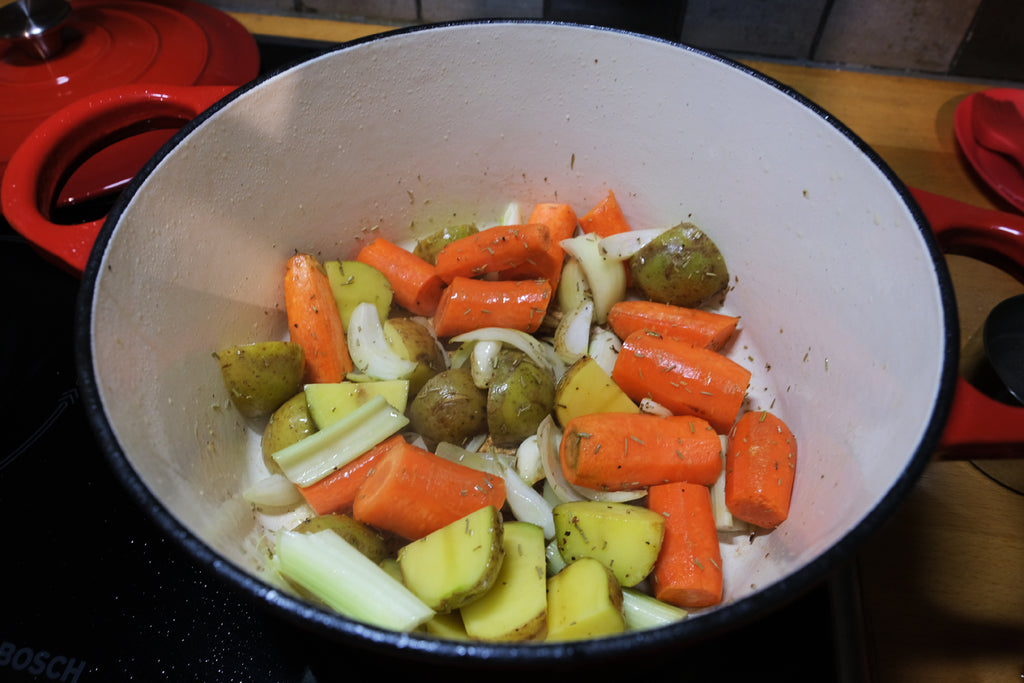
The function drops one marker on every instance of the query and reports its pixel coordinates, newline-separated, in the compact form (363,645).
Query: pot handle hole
(979,426)
(50,154)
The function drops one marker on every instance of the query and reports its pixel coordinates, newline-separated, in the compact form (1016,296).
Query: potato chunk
(586,388)
(457,563)
(584,601)
(515,608)
(329,402)
(625,538)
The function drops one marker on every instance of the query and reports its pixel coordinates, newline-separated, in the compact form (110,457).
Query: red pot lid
(106,43)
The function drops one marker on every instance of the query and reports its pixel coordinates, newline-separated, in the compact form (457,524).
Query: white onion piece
(512,215)
(528,462)
(274,490)
(482,361)
(606,277)
(572,286)
(540,353)
(604,347)
(624,244)
(652,407)
(548,440)
(572,336)
(491,463)
(527,505)
(371,354)
(724,521)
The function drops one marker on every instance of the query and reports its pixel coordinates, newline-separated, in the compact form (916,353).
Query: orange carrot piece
(692,325)
(412,492)
(688,571)
(495,249)
(760,465)
(561,222)
(337,491)
(686,379)
(314,322)
(606,218)
(469,304)
(415,281)
(628,451)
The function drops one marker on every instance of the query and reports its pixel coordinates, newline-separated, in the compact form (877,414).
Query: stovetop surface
(94,592)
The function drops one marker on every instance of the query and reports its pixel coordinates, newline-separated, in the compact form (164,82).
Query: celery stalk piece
(314,457)
(641,611)
(347,581)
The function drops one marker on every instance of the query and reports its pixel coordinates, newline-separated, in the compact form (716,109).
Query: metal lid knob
(34,25)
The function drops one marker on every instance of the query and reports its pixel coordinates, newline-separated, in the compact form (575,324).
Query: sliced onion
(623,245)
(482,361)
(512,215)
(528,460)
(527,505)
(370,351)
(274,490)
(572,286)
(604,347)
(540,353)
(572,336)
(652,407)
(606,277)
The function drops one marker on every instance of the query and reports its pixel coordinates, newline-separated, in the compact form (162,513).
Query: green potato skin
(261,376)
(287,425)
(682,266)
(520,396)
(449,407)
(428,247)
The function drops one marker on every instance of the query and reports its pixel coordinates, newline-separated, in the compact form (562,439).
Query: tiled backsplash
(970,38)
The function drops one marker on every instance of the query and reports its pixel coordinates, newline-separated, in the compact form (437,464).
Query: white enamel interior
(842,319)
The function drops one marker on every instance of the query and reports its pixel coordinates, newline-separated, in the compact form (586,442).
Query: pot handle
(47,157)
(979,426)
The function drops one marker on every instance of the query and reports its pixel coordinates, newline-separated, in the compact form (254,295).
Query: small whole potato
(261,376)
(449,407)
(521,394)
(682,266)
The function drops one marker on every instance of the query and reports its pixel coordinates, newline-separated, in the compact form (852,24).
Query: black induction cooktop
(93,592)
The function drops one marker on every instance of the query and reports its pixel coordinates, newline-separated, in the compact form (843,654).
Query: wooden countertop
(942,583)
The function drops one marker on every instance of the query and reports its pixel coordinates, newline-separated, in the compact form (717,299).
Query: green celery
(347,581)
(314,457)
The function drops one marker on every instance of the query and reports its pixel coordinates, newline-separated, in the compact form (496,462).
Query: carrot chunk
(686,379)
(415,282)
(412,492)
(314,322)
(691,325)
(337,491)
(606,218)
(496,249)
(561,221)
(688,571)
(760,467)
(469,304)
(626,451)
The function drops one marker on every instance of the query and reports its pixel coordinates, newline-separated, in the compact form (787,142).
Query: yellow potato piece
(354,282)
(515,608)
(457,563)
(586,388)
(330,402)
(584,601)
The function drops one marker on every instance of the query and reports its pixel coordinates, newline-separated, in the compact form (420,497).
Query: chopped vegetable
(691,325)
(347,581)
(313,458)
(415,283)
(328,403)
(363,538)
(606,277)
(371,353)
(260,377)
(353,283)
(606,218)
(337,491)
(314,322)
(642,612)
(760,469)
(560,220)
(412,492)
(627,451)
(272,491)
(584,601)
(586,388)
(688,572)
(469,304)
(454,565)
(685,379)
(527,247)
